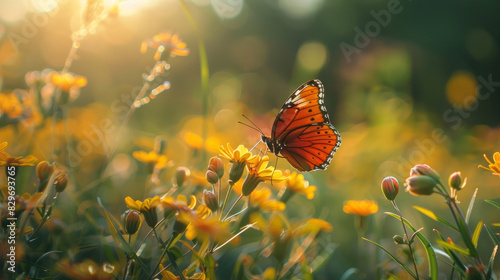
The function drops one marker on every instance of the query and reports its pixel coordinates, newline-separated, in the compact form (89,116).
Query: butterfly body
(302,132)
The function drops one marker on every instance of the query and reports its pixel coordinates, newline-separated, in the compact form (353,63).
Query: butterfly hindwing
(304,107)
(311,147)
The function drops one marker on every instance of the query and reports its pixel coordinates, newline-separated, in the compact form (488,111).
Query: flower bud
(132,222)
(210,200)
(398,240)
(425,170)
(181,176)
(61,181)
(236,171)
(473,273)
(179,227)
(217,166)
(250,184)
(455,181)
(212,177)
(44,170)
(390,187)
(420,185)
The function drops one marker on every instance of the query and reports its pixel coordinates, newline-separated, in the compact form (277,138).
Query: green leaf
(464,232)
(490,265)
(393,258)
(471,205)
(122,243)
(195,254)
(306,271)
(453,247)
(492,235)
(494,203)
(457,263)
(477,232)
(435,217)
(210,265)
(431,255)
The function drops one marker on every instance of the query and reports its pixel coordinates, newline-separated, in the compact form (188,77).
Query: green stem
(234,204)
(407,238)
(229,188)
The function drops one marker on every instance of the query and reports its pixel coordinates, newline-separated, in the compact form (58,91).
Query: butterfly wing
(305,106)
(303,130)
(311,147)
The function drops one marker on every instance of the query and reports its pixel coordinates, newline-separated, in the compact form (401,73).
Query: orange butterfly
(302,132)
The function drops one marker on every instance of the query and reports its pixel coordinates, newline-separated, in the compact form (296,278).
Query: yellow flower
(148,208)
(87,270)
(261,199)
(193,140)
(165,42)
(241,154)
(361,208)
(313,226)
(239,159)
(206,227)
(296,184)
(178,204)
(10,105)
(67,81)
(6,159)
(153,159)
(495,167)
(258,173)
(167,275)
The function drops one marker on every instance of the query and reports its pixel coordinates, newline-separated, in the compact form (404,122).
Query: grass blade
(453,247)
(477,232)
(457,263)
(435,217)
(471,205)
(119,240)
(494,203)
(431,255)
(492,235)
(393,258)
(490,265)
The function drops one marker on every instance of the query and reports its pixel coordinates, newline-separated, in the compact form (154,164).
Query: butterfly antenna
(258,129)
(254,128)
(275,166)
(255,145)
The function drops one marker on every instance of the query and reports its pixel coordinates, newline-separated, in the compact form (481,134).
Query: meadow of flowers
(122,157)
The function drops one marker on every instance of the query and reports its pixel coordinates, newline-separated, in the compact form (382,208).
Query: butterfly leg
(255,145)
(275,166)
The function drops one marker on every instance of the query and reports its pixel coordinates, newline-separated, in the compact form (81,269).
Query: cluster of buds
(44,172)
(215,170)
(422,181)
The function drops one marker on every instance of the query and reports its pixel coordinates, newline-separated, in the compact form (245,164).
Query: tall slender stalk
(406,238)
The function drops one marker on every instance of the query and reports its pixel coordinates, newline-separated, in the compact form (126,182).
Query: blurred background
(406,82)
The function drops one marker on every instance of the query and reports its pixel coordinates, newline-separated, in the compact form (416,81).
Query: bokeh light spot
(300,8)
(480,44)
(12,10)
(43,6)
(461,88)
(227,9)
(312,55)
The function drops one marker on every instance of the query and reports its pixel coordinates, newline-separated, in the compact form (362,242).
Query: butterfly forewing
(304,107)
